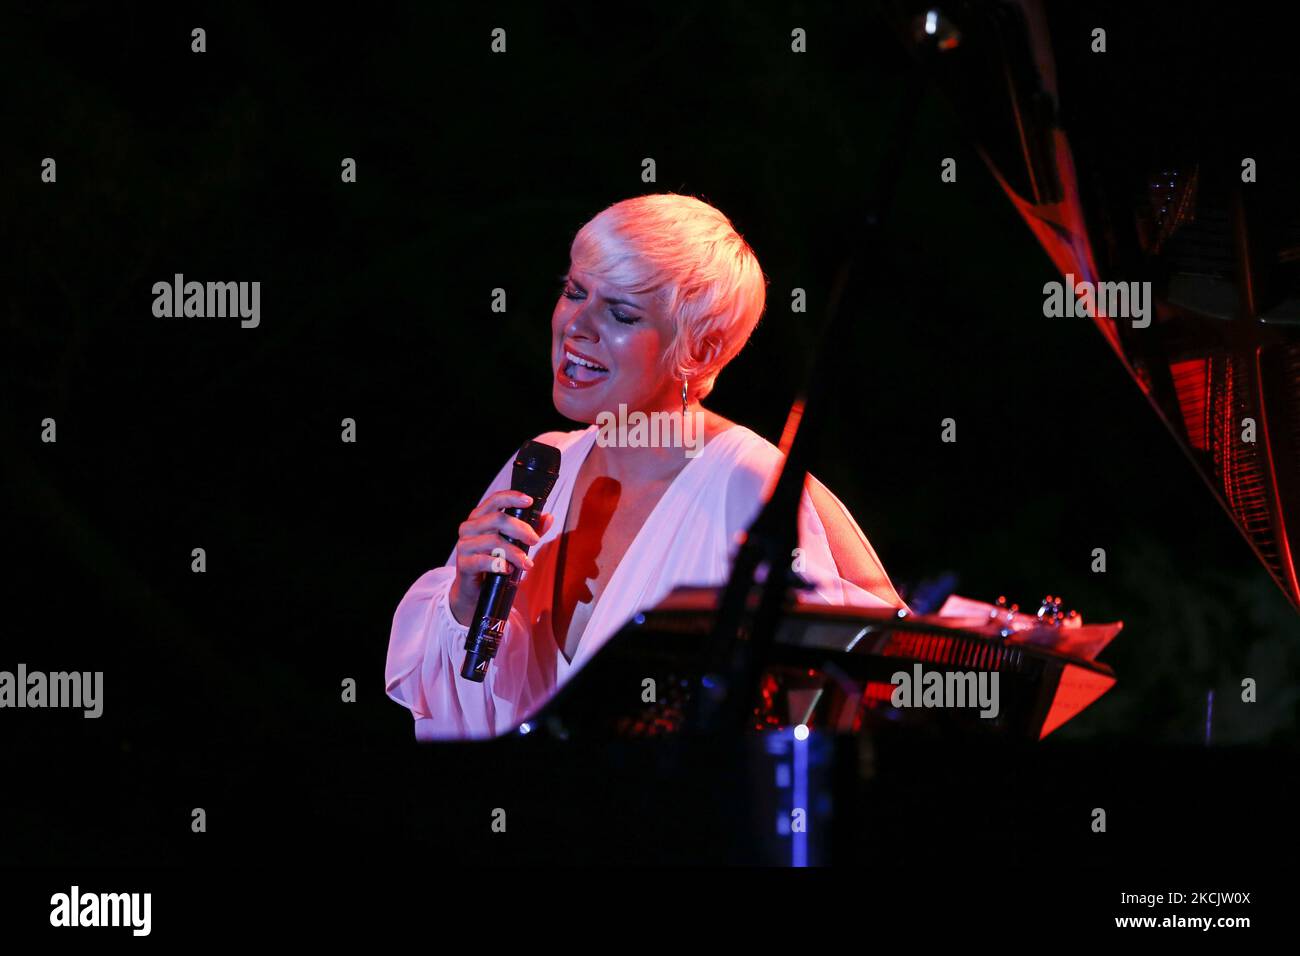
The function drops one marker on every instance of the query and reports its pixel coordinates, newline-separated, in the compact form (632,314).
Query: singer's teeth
(584,362)
(581,373)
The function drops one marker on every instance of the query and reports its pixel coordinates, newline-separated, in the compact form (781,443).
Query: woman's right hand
(480,535)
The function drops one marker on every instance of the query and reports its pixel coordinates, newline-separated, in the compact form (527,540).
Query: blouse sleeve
(830,587)
(426,648)
(751,483)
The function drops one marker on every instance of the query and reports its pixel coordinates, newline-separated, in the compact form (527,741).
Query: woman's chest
(603,523)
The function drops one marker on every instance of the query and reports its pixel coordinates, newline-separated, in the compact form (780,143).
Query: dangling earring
(683,396)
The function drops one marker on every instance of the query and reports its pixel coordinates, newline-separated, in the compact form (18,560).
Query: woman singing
(660,295)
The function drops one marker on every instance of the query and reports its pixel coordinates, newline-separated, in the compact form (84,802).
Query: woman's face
(624,333)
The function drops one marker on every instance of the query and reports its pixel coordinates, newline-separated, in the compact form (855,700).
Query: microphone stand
(733,665)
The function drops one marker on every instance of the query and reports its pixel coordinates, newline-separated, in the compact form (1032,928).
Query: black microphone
(536,467)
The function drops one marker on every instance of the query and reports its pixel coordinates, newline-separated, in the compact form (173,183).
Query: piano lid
(1156,168)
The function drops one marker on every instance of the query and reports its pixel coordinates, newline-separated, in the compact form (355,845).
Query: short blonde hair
(690,255)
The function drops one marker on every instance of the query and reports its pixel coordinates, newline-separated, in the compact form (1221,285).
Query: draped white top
(689,537)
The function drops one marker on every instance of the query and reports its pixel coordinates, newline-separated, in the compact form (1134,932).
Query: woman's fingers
(472,565)
(487,544)
(501,499)
(503,523)
(482,549)
(514,528)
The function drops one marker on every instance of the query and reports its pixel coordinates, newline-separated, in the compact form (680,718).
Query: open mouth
(582,371)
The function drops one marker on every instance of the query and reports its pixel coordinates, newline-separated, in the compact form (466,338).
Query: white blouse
(689,537)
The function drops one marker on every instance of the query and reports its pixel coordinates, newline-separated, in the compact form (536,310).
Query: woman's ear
(709,350)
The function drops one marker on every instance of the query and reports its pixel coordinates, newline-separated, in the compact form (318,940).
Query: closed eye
(571,290)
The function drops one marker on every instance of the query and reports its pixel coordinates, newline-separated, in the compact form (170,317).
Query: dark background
(222,690)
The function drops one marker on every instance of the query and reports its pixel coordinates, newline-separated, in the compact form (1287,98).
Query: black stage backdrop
(223,689)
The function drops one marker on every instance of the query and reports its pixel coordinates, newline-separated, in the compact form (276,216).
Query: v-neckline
(563,663)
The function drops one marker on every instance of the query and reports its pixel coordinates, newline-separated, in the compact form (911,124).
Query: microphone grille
(536,467)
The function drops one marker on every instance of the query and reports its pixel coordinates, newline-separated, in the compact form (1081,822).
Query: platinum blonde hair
(689,255)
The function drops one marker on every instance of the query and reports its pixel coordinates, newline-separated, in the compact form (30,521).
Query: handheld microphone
(536,467)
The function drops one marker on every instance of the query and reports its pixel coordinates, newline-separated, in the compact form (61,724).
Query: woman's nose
(581,324)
